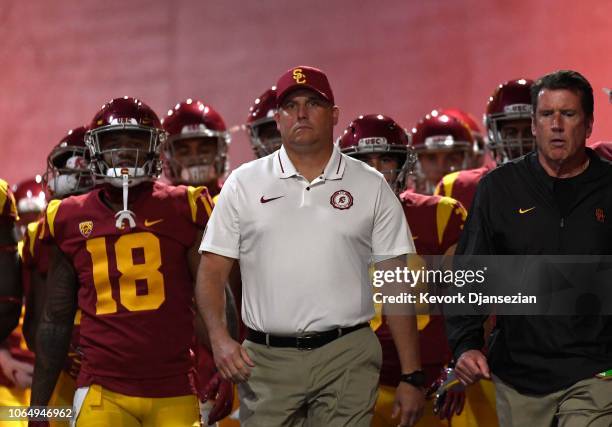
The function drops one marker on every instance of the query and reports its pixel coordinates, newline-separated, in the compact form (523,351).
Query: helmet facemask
(422,180)
(68,172)
(197,159)
(404,156)
(264,136)
(510,136)
(118,148)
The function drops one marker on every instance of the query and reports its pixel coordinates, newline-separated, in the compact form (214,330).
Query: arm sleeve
(466,332)
(222,233)
(200,205)
(391,236)
(48,226)
(8,208)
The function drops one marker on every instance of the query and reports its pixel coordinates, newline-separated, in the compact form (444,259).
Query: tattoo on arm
(55,329)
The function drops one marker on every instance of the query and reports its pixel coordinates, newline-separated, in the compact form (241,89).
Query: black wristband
(416,378)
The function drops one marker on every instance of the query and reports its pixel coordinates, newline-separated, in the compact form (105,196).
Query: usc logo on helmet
(298,76)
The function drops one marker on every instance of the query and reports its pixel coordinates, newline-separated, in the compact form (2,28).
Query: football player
(195,152)
(508,123)
(15,373)
(260,125)
(125,253)
(10,283)
(443,144)
(16,361)
(435,223)
(482,154)
(67,174)
(31,201)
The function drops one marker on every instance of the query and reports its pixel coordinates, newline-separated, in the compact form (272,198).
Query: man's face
(435,164)
(126,148)
(386,164)
(194,160)
(516,137)
(560,125)
(306,120)
(195,151)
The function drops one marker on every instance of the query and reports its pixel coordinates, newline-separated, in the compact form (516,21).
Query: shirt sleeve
(467,332)
(200,205)
(8,208)
(391,236)
(30,244)
(48,227)
(222,233)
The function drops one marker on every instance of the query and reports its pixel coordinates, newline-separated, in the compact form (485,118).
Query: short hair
(565,79)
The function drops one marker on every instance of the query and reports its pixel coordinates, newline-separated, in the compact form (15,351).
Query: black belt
(307,341)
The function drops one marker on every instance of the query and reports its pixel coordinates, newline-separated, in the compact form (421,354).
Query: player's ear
(335,114)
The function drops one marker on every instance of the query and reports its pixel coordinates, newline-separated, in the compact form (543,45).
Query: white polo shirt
(305,247)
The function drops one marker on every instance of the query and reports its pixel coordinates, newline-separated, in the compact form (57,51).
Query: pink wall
(62,60)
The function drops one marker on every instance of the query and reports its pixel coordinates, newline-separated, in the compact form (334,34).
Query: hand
(448,393)
(18,372)
(232,360)
(471,367)
(221,393)
(409,403)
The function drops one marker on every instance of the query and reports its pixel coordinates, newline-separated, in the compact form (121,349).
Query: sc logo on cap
(298,76)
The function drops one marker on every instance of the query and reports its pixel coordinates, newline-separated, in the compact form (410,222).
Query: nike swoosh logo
(523,211)
(148,223)
(264,200)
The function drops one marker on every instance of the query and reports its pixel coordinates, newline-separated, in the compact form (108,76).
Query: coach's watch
(416,378)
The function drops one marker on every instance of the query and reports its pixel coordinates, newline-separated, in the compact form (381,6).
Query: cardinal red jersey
(136,289)
(436,224)
(462,185)
(8,208)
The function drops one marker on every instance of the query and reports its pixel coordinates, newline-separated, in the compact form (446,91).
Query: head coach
(305,222)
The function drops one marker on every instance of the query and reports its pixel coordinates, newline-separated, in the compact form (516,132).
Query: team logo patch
(299,76)
(600,215)
(341,199)
(86,228)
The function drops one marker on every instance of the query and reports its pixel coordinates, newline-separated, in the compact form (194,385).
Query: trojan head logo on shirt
(86,228)
(299,76)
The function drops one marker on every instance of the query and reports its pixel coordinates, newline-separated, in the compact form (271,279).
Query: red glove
(448,394)
(221,393)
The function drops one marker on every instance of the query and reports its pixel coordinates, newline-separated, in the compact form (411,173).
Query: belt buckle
(302,342)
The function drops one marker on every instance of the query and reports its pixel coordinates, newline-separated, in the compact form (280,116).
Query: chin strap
(125,214)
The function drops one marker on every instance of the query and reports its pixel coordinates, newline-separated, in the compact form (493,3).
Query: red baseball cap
(303,76)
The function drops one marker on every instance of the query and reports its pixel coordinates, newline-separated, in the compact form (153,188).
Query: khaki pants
(588,403)
(334,385)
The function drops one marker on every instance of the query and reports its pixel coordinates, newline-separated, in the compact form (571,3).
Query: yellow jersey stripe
(193,194)
(3,194)
(447,183)
(444,210)
(52,209)
(32,230)
(207,205)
